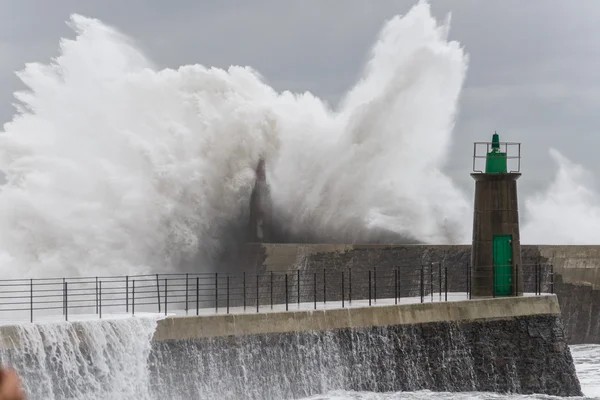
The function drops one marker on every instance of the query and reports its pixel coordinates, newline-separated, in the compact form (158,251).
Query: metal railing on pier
(204,293)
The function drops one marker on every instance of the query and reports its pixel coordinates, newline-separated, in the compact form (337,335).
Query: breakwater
(576,271)
(501,345)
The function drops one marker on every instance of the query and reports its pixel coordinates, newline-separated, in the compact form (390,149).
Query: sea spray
(103,359)
(116,167)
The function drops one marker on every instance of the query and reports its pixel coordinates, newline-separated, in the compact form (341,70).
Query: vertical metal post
(158,292)
(257,294)
(440,278)
(127,293)
(467,278)
(315,289)
(66,302)
(100,299)
(271,290)
(31,300)
(369,287)
(350,286)
(186,293)
(133,297)
(286,291)
(422,284)
(324,287)
(166,297)
(244,290)
(64,298)
(96,295)
(216,292)
(197,295)
(469,282)
(298,278)
(343,283)
(552,278)
(396,286)
(228,294)
(431,280)
(446,282)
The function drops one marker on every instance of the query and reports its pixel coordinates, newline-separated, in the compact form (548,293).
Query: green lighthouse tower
(496,249)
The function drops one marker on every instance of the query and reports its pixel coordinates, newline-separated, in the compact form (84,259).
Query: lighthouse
(496,251)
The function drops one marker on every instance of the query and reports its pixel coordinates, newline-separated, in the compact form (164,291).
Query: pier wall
(502,345)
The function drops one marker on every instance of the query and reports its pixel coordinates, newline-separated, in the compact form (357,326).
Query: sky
(533,66)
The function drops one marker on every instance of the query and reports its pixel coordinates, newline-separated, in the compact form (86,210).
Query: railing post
(286,291)
(158,292)
(469,280)
(552,278)
(96,295)
(100,299)
(133,297)
(197,295)
(126,293)
(369,287)
(343,282)
(186,293)
(216,292)
(446,282)
(66,303)
(31,300)
(166,296)
(431,280)
(350,286)
(227,293)
(422,284)
(468,283)
(257,293)
(396,286)
(315,289)
(271,290)
(440,278)
(244,290)
(298,278)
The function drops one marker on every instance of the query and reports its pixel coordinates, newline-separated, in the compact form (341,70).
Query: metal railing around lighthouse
(203,293)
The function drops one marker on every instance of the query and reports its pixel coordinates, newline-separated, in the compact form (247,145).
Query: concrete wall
(502,345)
(322,320)
(576,268)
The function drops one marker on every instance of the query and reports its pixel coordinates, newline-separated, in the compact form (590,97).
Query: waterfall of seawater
(116,359)
(85,360)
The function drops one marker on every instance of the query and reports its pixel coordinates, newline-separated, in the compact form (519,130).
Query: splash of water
(84,360)
(113,165)
(568,212)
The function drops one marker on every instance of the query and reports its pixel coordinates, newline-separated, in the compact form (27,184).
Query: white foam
(115,167)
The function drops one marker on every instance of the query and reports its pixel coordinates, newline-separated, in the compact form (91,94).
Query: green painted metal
(495,162)
(502,256)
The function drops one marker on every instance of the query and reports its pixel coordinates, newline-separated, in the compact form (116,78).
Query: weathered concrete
(502,345)
(322,320)
(576,268)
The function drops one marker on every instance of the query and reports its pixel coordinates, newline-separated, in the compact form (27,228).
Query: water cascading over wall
(300,353)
